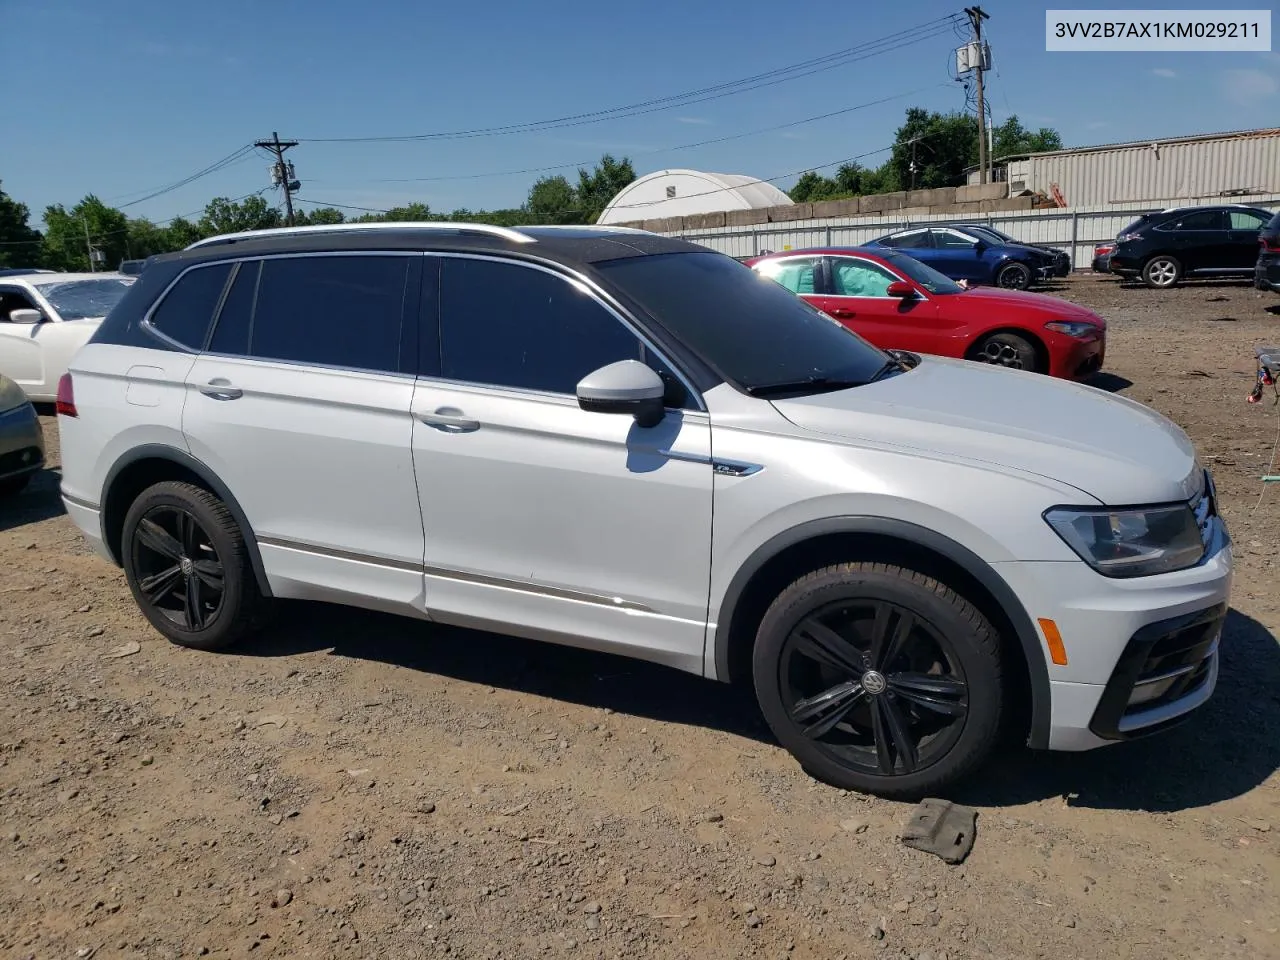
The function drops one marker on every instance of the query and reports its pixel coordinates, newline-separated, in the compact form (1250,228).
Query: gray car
(21,439)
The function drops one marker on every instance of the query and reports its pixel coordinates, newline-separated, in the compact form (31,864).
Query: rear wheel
(188,568)
(879,679)
(1007,350)
(1162,272)
(1014,276)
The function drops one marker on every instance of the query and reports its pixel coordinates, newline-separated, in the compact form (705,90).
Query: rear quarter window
(185,312)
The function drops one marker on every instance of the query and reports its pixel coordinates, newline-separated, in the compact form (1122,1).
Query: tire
(178,541)
(1007,350)
(817,635)
(1161,272)
(1014,276)
(13,486)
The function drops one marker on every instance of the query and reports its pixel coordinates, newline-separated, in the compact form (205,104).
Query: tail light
(66,403)
(1270,244)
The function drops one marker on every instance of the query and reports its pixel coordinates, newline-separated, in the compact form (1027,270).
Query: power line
(644,153)
(242,153)
(892,42)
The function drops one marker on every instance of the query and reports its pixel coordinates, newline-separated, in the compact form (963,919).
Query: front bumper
(1129,643)
(1082,360)
(21,442)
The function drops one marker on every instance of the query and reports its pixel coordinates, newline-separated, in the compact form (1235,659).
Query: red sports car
(897,302)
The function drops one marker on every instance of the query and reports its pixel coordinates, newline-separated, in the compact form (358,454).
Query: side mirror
(900,288)
(26,315)
(627,386)
(979,246)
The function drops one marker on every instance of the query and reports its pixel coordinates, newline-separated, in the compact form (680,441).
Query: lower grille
(1164,665)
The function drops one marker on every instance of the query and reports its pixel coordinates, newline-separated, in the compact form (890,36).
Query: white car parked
(45,318)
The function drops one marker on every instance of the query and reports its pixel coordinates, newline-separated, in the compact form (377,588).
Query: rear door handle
(220,388)
(450,420)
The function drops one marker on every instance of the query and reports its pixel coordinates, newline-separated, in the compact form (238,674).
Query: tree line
(930,150)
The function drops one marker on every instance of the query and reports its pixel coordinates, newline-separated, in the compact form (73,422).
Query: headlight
(11,395)
(1072,328)
(1131,543)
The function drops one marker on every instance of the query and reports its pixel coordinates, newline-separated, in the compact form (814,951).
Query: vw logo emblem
(874,683)
(188,568)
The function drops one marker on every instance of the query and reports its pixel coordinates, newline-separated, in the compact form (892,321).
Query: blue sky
(120,99)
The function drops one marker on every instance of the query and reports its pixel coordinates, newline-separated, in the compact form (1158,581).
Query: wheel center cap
(187,567)
(874,683)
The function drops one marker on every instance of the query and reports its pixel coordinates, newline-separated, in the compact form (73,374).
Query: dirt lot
(358,786)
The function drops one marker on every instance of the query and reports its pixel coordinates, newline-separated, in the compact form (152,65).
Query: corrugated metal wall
(1075,230)
(1168,174)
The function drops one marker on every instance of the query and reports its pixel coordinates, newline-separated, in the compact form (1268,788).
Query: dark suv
(1166,247)
(1266,272)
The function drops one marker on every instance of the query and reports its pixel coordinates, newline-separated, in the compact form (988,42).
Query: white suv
(607,438)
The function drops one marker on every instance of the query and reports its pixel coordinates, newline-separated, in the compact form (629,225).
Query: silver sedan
(21,439)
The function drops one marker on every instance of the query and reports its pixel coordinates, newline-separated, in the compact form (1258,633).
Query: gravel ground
(359,786)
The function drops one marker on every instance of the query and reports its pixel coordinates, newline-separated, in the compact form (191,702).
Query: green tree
(181,233)
(222,215)
(597,188)
(947,143)
(20,246)
(1012,138)
(553,200)
(65,241)
(318,216)
(145,238)
(410,213)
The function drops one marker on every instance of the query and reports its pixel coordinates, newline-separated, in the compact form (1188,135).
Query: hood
(1113,449)
(1028,248)
(1052,308)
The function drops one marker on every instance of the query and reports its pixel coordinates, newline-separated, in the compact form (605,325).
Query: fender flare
(961,556)
(159,451)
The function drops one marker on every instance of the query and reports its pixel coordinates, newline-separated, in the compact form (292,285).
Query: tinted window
(859,278)
(187,310)
(745,326)
(339,311)
(908,241)
(1246,220)
(923,274)
(1203,220)
(231,333)
(797,274)
(513,326)
(949,239)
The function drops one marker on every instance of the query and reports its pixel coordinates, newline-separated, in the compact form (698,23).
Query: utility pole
(976,16)
(88,245)
(282,173)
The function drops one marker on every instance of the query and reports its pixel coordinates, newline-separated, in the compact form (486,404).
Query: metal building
(1151,171)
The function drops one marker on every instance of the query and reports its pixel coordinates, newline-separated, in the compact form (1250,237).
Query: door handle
(843,312)
(450,420)
(219,388)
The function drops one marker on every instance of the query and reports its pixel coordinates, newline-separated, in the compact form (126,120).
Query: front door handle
(450,420)
(220,388)
(842,312)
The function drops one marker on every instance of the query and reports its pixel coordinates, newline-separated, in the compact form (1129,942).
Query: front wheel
(188,567)
(879,679)
(1014,276)
(1006,350)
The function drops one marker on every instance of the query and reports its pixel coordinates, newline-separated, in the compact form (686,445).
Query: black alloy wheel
(879,679)
(179,572)
(188,567)
(1014,276)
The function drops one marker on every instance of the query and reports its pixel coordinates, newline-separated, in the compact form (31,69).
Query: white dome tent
(679,193)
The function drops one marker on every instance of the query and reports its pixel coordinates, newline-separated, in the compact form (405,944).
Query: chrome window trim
(235,263)
(591,289)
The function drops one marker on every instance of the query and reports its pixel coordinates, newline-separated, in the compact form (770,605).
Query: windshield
(990,234)
(81,299)
(745,326)
(926,276)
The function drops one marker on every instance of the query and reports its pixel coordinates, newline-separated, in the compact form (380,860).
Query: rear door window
(187,309)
